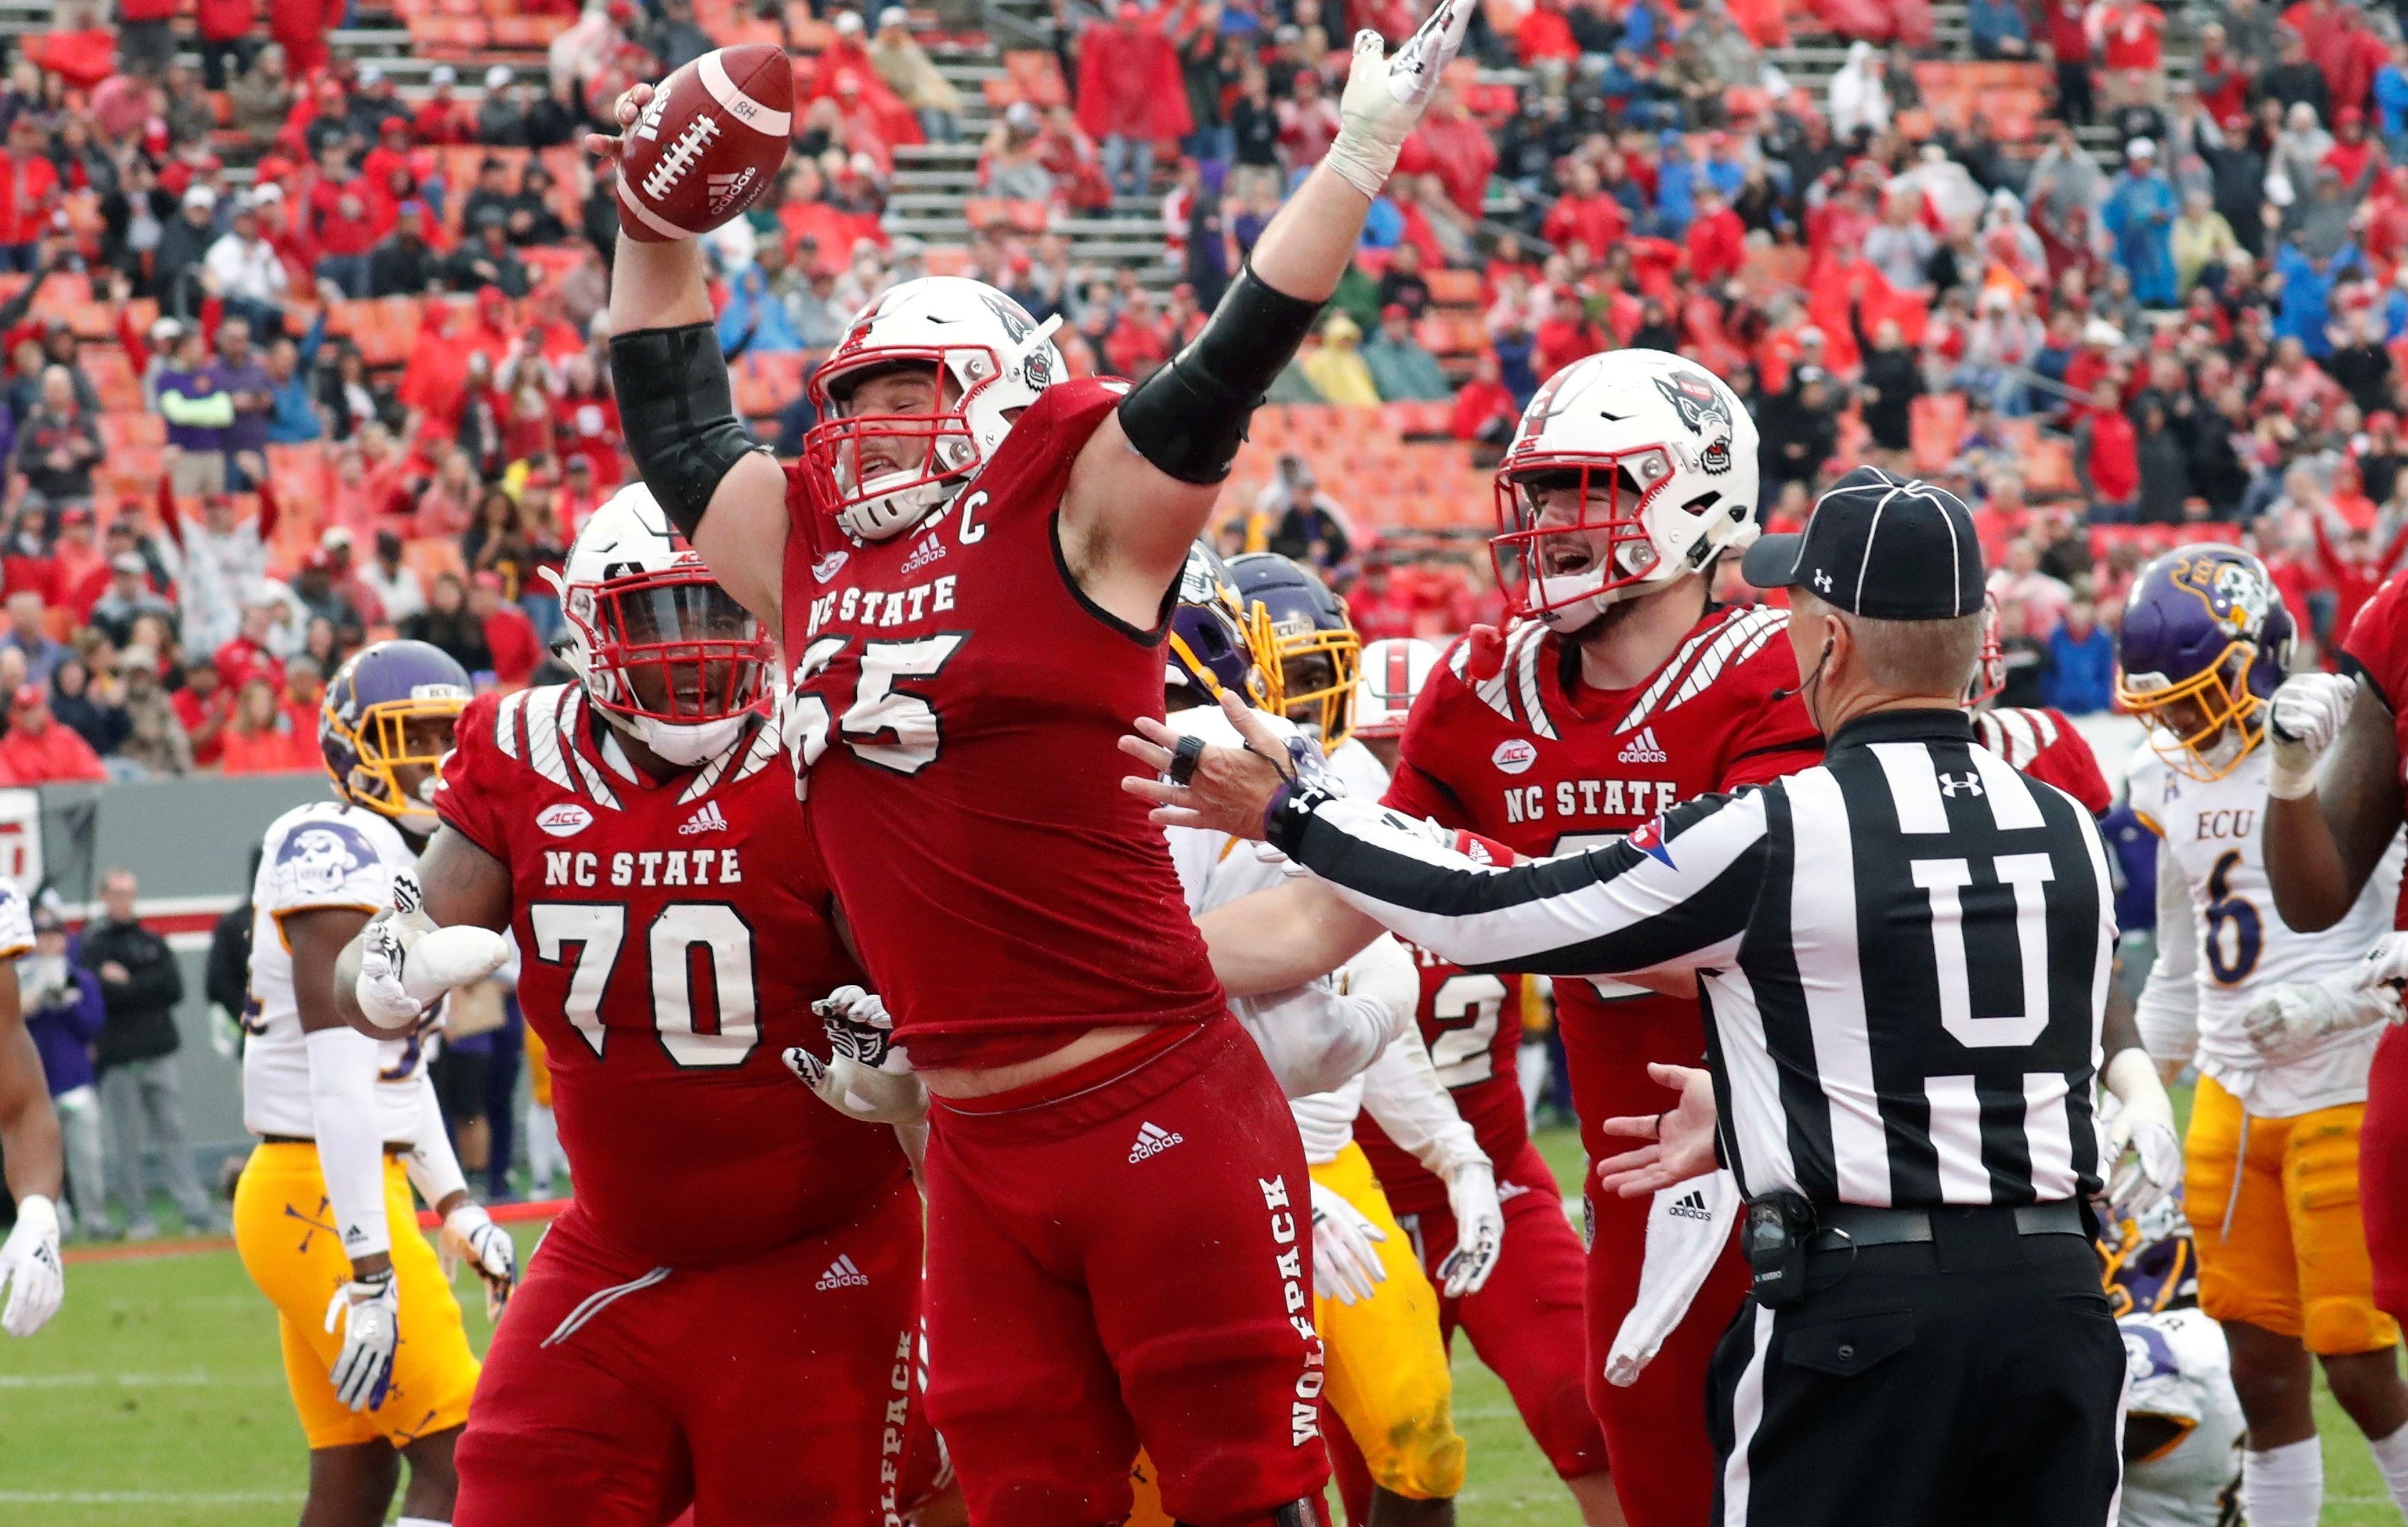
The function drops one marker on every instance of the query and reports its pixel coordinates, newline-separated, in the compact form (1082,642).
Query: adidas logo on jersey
(1152,1140)
(1643,748)
(705,820)
(1508,1191)
(842,1274)
(1691,1207)
(922,555)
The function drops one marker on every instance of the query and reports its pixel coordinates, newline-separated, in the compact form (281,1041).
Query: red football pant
(772,1390)
(1525,1322)
(2382,1171)
(1121,1257)
(1655,1437)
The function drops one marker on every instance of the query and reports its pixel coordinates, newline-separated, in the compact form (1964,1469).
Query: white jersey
(16,921)
(2239,949)
(325,855)
(2180,1369)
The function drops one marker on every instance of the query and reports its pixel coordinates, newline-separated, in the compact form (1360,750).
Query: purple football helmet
(2205,640)
(391,707)
(1213,645)
(1319,654)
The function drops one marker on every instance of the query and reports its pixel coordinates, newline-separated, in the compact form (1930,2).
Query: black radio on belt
(1780,1231)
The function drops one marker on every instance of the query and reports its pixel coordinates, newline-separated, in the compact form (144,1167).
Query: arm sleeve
(1402,1093)
(2168,1011)
(214,412)
(433,1169)
(343,1115)
(1637,905)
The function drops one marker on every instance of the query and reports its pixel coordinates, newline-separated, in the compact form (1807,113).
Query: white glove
(31,1268)
(1385,972)
(1344,1266)
(407,963)
(2145,1125)
(470,1235)
(1479,1230)
(2306,715)
(382,994)
(2383,964)
(370,1312)
(2294,1017)
(1384,100)
(867,1075)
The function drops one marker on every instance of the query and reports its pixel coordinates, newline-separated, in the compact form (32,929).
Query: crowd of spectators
(2204,338)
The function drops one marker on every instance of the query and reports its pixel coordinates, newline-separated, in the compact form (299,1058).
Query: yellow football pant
(2274,1209)
(1388,1375)
(284,1230)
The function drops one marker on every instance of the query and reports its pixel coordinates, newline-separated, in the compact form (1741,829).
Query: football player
(2273,1151)
(2325,832)
(2040,742)
(1621,690)
(375,1352)
(1526,1323)
(1376,1311)
(971,568)
(725,1312)
(30,1266)
(2183,1426)
(1319,656)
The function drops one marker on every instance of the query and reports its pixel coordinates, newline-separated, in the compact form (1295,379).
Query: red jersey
(2044,745)
(1472,1025)
(2378,644)
(672,937)
(956,712)
(1536,759)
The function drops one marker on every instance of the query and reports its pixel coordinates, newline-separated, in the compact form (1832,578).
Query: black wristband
(677,406)
(1190,417)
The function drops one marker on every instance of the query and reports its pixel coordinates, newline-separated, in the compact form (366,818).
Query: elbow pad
(1189,418)
(677,409)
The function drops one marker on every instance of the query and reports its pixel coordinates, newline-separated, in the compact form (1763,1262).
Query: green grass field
(156,1398)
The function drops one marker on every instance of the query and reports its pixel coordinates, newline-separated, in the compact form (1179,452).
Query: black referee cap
(1885,547)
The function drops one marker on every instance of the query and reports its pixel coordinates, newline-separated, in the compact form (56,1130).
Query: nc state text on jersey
(1591,798)
(875,607)
(664,867)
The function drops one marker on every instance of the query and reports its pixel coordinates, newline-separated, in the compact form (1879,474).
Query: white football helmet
(1391,678)
(1659,459)
(992,359)
(660,647)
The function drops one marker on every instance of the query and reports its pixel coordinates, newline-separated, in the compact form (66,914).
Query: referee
(1903,956)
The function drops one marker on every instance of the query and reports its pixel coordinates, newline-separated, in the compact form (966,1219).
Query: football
(709,144)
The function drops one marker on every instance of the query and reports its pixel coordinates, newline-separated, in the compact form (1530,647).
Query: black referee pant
(1975,1380)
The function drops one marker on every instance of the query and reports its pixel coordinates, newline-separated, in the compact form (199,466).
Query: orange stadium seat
(1452,288)
(1935,430)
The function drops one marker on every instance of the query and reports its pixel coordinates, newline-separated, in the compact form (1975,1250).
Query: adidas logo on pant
(1691,1207)
(1152,1140)
(1643,748)
(844,1274)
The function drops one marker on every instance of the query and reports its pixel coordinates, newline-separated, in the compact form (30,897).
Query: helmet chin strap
(884,515)
(684,745)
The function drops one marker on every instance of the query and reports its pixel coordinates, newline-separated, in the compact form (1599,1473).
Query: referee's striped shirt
(1903,955)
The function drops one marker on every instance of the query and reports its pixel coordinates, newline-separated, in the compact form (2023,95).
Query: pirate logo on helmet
(2235,594)
(1698,400)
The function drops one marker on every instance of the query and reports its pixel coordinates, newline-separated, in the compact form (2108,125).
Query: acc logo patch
(1648,838)
(565,819)
(1514,755)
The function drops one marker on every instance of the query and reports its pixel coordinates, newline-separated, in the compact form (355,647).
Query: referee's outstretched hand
(1217,789)
(1680,1140)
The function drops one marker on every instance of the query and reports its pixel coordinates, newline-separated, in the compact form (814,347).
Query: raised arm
(678,408)
(1145,481)
(2326,830)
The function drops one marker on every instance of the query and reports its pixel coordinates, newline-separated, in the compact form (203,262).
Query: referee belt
(1847,1226)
